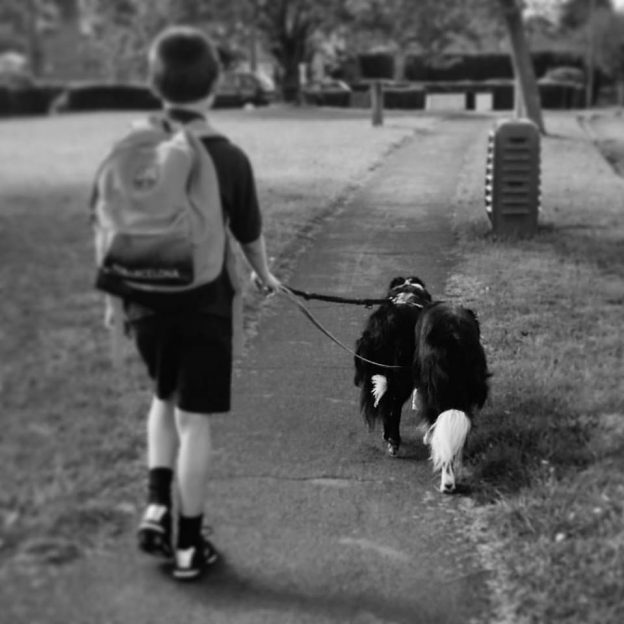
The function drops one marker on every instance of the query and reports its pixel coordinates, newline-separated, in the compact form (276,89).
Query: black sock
(189,531)
(159,482)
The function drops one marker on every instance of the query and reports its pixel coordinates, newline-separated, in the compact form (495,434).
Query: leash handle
(290,293)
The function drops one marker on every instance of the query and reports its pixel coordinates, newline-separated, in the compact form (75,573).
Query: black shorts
(189,358)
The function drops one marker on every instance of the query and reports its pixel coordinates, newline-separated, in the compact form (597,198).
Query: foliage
(289,27)
(27,21)
(430,25)
(121,31)
(576,13)
(608,31)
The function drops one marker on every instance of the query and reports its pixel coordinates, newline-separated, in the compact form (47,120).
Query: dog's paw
(392,447)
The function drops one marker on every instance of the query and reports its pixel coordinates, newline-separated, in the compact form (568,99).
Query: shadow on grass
(595,244)
(598,245)
(510,451)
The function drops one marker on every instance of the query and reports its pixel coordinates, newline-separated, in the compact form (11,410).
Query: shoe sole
(152,541)
(194,573)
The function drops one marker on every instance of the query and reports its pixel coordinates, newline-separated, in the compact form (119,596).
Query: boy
(188,353)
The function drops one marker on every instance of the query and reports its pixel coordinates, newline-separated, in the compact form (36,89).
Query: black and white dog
(438,347)
(389,339)
(450,382)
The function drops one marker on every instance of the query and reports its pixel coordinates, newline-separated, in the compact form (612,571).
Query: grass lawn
(72,439)
(549,450)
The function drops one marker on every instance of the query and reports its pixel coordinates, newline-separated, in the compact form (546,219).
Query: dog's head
(408,291)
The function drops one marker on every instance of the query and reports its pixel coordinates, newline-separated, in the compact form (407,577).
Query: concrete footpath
(317,525)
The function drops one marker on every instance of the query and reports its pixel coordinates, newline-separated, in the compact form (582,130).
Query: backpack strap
(196,123)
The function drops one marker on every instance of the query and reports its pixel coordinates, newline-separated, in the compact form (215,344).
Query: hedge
(558,95)
(553,95)
(340,99)
(31,100)
(106,97)
(5,101)
(35,100)
(411,98)
(487,66)
(377,65)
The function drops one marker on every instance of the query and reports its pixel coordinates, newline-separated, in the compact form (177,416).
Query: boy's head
(183,65)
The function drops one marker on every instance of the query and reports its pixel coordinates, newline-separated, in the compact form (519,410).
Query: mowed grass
(548,453)
(72,430)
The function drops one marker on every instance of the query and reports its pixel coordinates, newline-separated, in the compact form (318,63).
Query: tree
(526,84)
(29,20)
(608,33)
(429,26)
(289,27)
(574,14)
(577,22)
(120,32)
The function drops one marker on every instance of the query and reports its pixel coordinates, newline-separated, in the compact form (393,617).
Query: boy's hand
(112,311)
(268,284)
(109,313)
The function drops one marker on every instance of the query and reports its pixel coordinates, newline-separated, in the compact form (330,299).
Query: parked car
(327,92)
(242,88)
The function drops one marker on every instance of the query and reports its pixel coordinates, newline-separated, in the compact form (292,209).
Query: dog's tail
(380,386)
(373,389)
(448,436)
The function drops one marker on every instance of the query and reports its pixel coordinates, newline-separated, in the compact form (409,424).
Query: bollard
(377,102)
(512,179)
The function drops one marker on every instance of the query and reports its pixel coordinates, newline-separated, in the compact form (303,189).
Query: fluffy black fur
(388,338)
(450,369)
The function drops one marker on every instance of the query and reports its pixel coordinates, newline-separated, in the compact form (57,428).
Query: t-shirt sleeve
(245,216)
(238,190)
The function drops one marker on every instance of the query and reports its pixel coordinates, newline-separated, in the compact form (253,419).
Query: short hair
(183,65)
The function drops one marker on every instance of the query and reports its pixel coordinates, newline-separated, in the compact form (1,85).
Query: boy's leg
(193,552)
(154,532)
(193,460)
(162,435)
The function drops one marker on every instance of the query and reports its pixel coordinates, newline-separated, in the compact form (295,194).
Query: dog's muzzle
(406,298)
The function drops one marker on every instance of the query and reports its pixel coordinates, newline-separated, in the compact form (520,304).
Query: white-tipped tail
(414,399)
(447,437)
(380,385)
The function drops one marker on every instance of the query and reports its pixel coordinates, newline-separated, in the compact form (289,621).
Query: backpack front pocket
(163,259)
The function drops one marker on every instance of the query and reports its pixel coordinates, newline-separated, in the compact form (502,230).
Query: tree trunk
(35,50)
(400,58)
(522,64)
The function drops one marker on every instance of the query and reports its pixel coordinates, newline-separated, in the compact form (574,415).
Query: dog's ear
(473,316)
(396,281)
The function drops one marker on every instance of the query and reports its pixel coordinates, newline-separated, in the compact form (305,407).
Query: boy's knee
(164,407)
(192,422)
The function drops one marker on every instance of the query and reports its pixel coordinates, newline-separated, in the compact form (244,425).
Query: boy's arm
(113,307)
(255,252)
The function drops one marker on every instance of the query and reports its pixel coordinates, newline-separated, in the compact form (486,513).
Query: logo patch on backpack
(158,217)
(146,180)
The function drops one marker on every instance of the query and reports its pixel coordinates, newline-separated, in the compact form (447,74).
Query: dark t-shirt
(242,214)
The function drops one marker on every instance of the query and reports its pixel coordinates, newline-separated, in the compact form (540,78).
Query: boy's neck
(201,106)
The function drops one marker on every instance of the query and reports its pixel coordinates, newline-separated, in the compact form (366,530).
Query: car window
(228,81)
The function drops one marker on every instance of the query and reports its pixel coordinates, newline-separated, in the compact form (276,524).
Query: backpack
(159,224)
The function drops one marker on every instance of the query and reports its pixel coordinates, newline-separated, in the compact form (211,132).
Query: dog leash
(367,303)
(291,295)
